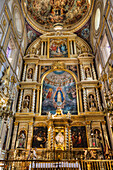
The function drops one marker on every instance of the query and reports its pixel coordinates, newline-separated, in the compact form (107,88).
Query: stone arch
(64,94)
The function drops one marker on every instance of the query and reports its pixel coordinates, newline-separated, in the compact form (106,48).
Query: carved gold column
(42,48)
(70,142)
(24,72)
(75,49)
(66,138)
(14,135)
(88,130)
(33,101)
(71,47)
(45,49)
(1,129)
(3,134)
(37,105)
(85,99)
(104,130)
(30,135)
(10,125)
(110,129)
(82,72)
(94,73)
(36,71)
(80,96)
(20,100)
(98,99)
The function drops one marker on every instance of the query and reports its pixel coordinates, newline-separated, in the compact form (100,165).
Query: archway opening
(59,92)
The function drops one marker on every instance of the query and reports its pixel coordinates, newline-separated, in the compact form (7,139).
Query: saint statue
(21,140)
(87,71)
(26,103)
(30,73)
(92,103)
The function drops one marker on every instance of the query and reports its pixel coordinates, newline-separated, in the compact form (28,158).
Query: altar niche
(39,137)
(59,92)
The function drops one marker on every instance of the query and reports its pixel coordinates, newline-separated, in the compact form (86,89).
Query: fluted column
(105,131)
(98,99)
(20,100)
(80,96)
(33,101)
(94,73)
(36,71)
(42,48)
(88,130)
(3,134)
(82,72)
(85,99)
(24,73)
(9,133)
(45,48)
(66,138)
(75,48)
(71,47)
(30,134)
(14,135)
(52,144)
(37,105)
(1,129)
(110,129)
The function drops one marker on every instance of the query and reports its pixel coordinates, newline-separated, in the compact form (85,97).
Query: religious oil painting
(39,137)
(48,12)
(59,92)
(58,48)
(79,139)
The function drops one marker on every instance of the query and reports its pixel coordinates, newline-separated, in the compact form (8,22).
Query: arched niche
(59,91)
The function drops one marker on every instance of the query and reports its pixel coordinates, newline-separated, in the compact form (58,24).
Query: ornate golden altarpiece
(60,133)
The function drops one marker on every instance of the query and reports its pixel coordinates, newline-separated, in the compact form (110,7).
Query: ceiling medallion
(44,14)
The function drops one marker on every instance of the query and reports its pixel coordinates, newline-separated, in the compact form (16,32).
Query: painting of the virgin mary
(59,97)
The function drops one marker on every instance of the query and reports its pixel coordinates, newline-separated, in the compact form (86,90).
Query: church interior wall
(26,71)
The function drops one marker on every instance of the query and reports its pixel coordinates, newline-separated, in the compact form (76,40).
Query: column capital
(103,122)
(16,123)
(88,122)
(30,123)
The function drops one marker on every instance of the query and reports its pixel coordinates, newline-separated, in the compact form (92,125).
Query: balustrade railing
(55,165)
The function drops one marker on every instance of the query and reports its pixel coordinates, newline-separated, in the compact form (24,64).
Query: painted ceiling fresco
(48,12)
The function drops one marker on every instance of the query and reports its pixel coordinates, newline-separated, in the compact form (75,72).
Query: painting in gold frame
(58,48)
(79,139)
(39,137)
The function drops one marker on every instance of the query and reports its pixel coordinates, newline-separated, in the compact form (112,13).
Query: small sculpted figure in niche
(91,103)
(87,73)
(97,137)
(97,134)
(21,139)
(30,73)
(26,102)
